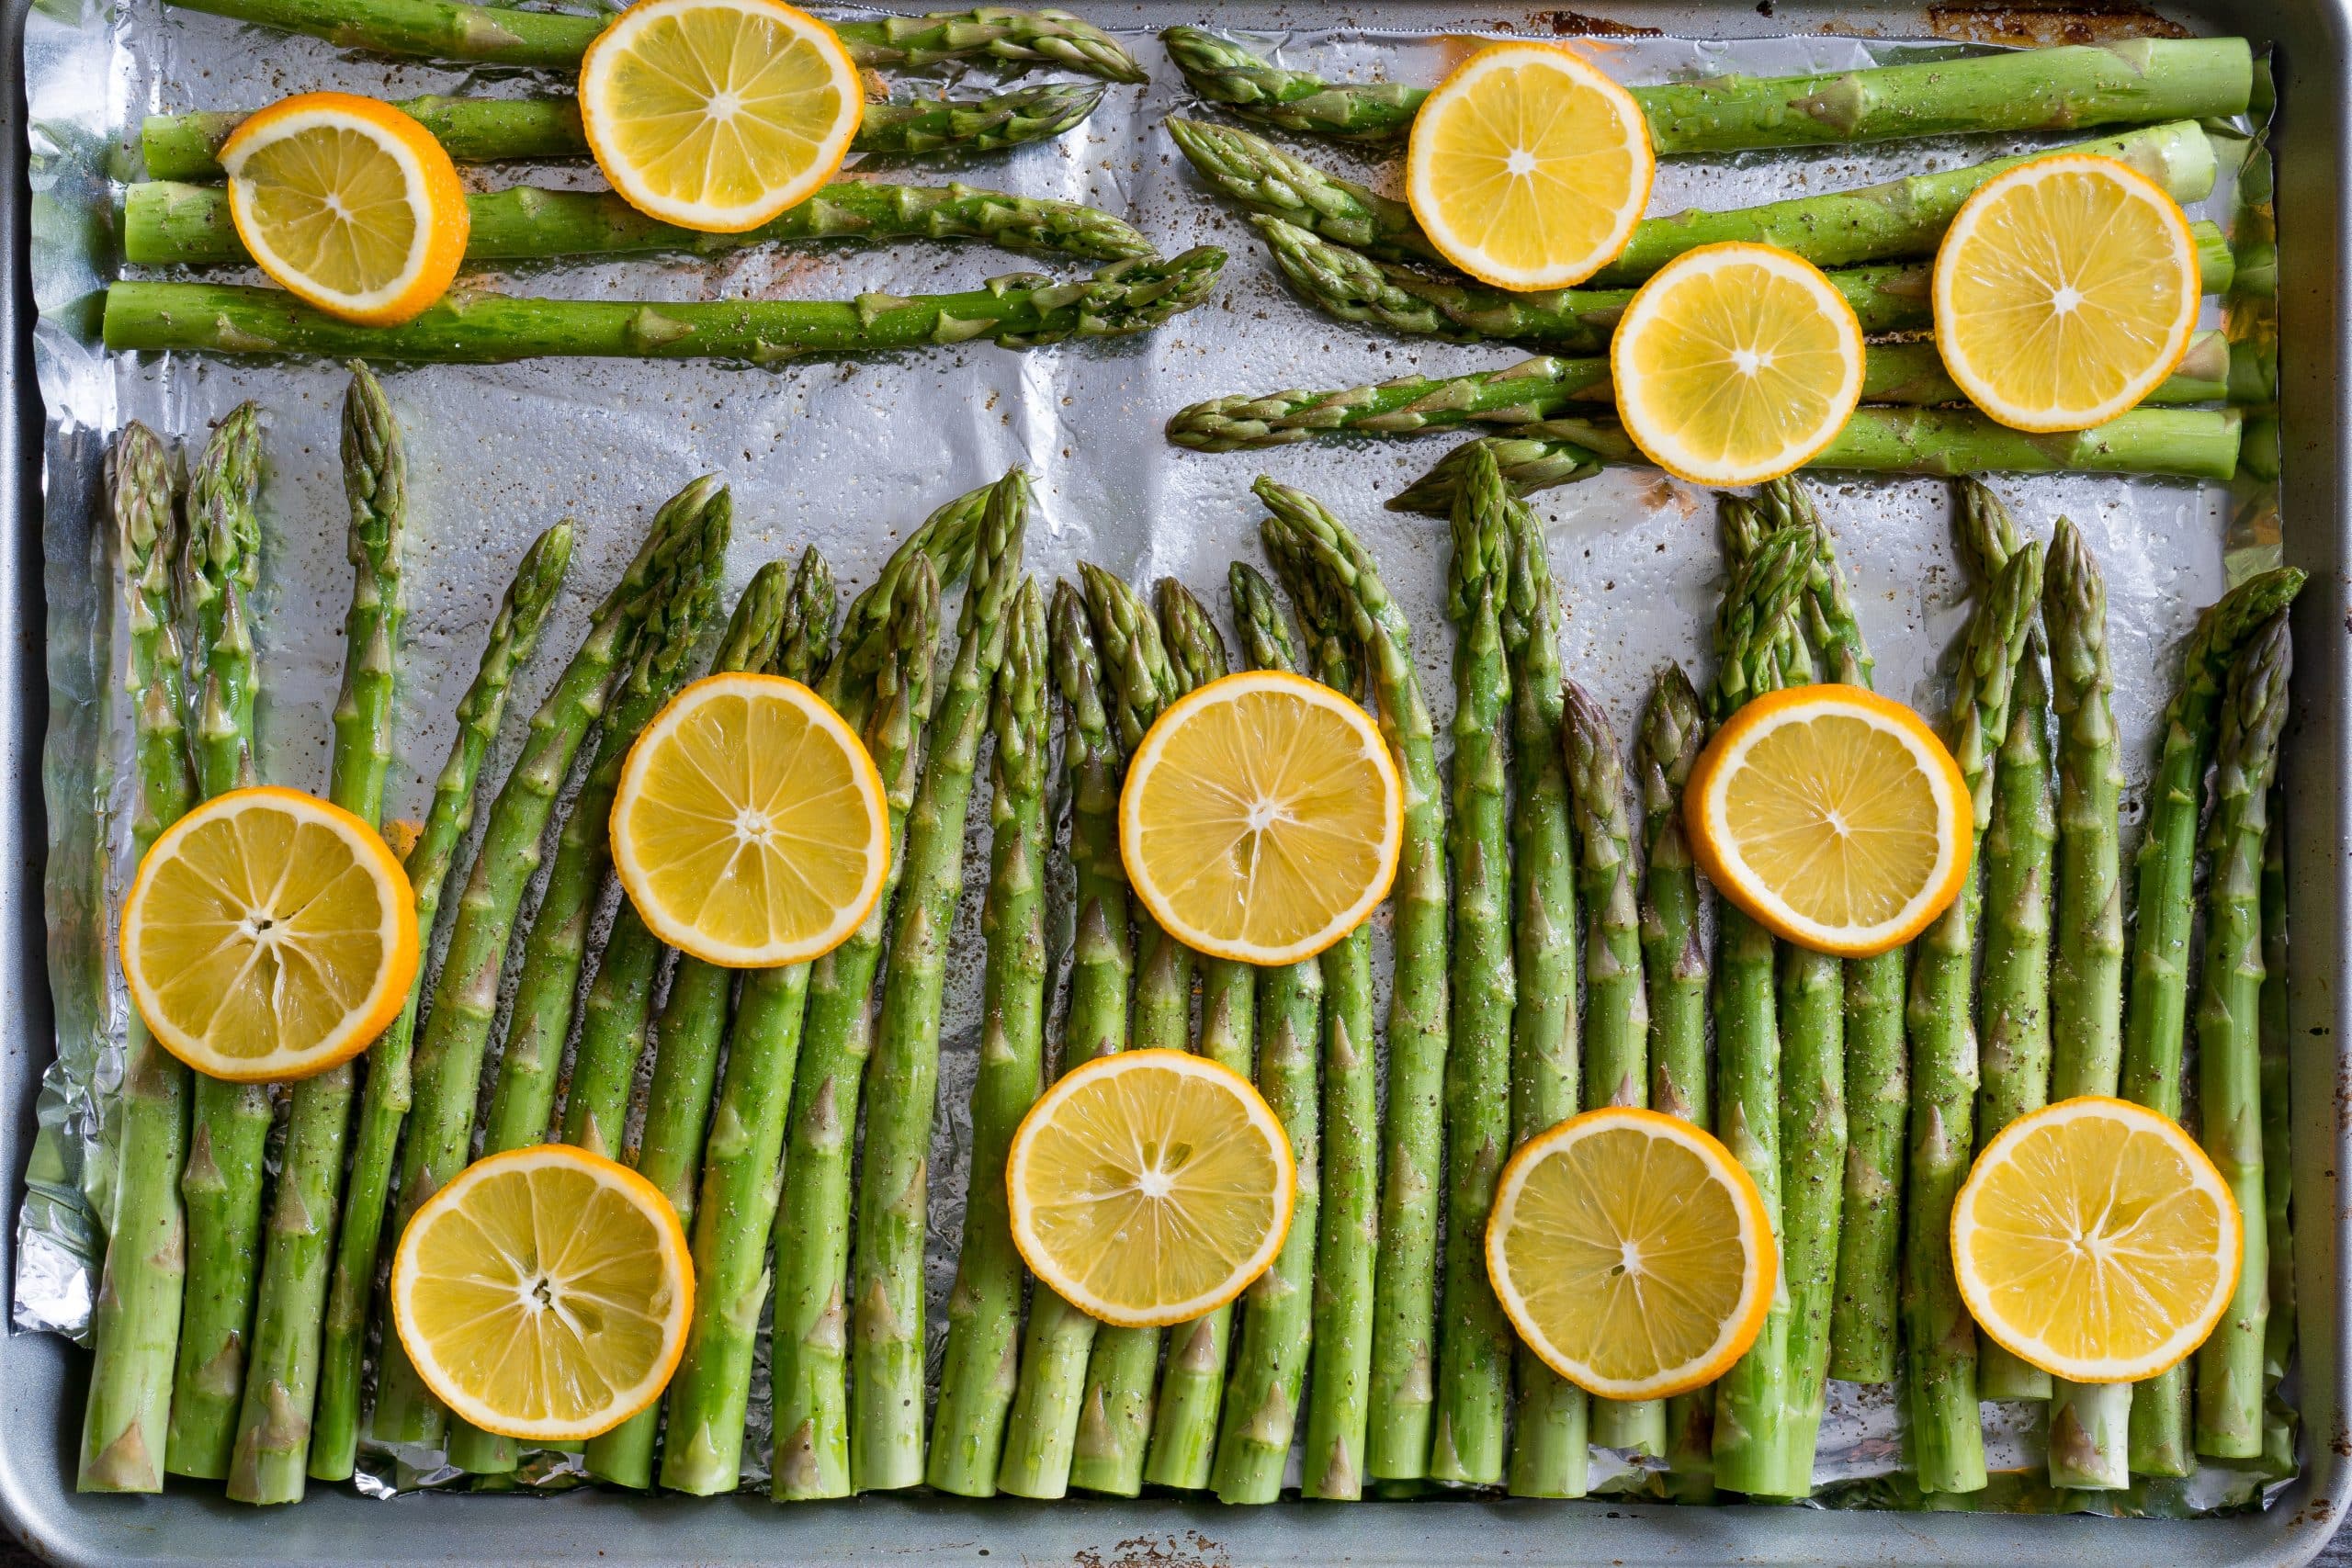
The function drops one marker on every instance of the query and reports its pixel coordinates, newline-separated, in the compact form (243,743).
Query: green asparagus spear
(1306,542)
(1018,310)
(229,1124)
(168,224)
(2156,999)
(886,1329)
(976,1383)
(491,131)
(281,1386)
(2230,1383)
(2277,1185)
(1042,1431)
(135,1320)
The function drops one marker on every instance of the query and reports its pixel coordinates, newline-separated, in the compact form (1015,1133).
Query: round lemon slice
(750,828)
(717,115)
(1528,167)
(544,1293)
(349,204)
(1632,1253)
(1150,1186)
(268,935)
(2095,1240)
(2065,291)
(1261,817)
(1832,817)
(1736,362)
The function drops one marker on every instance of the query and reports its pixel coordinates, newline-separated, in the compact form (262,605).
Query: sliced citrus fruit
(1261,817)
(349,203)
(749,828)
(268,935)
(2066,290)
(1150,1186)
(2093,1239)
(1528,167)
(1632,1253)
(718,114)
(1736,362)
(543,1292)
(1832,816)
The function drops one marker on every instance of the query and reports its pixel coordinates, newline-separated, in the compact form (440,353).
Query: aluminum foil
(847,453)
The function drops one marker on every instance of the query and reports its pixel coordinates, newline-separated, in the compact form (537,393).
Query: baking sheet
(847,453)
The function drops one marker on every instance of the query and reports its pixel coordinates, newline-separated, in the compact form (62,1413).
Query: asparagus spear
(2279,1335)
(553,41)
(2230,1382)
(229,1124)
(976,1385)
(2155,1001)
(885,1337)
(135,1321)
(1306,542)
(281,1386)
(514,632)
(1900,217)
(688,536)
(787,615)
(2040,89)
(168,224)
(491,131)
(1019,310)
(2181,443)
(1043,1429)
(1192,1388)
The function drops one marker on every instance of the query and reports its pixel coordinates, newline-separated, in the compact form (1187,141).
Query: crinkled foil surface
(848,453)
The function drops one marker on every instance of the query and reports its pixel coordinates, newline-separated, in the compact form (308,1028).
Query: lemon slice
(1736,362)
(718,114)
(750,828)
(1261,817)
(1150,1186)
(1832,816)
(349,204)
(2065,291)
(1529,168)
(2095,1240)
(544,1293)
(268,935)
(1632,1253)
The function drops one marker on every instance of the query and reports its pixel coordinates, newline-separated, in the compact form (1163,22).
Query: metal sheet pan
(39,1375)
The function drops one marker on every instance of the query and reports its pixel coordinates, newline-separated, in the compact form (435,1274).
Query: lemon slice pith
(268,935)
(2095,1240)
(543,1292)
(1150,1187)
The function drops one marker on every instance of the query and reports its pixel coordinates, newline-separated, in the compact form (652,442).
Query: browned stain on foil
(1185,1549)
(1576,24)
(2047,25)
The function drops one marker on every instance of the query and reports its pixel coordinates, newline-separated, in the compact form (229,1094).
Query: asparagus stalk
(976,1383)
(553,41)
(2156,998)
(168,224)
(493,131)
(2278,1187)
(784,621)
(1306,541)
(688,536)
(2178,443)
(885,1337)
(1674,963)
(2039,90)
(384,1105)
(1899,218)
(229,1124)
(281,1386)
(2230,1381)
(1192,1388)
(1042,1431)
(135,1320)
(1019,310)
